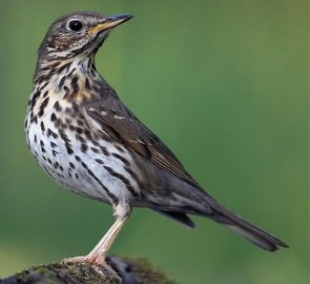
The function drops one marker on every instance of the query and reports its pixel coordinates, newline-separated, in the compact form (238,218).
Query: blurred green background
(225,85)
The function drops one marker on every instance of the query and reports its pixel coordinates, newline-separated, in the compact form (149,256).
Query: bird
(88,141)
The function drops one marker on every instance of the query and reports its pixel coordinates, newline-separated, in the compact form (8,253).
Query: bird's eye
(75,25)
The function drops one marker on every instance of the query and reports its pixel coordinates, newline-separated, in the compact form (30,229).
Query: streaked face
(78,33)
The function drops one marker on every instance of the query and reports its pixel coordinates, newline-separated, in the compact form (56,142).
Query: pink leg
(99,252)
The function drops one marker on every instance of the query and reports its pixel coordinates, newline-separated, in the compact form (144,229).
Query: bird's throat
(70,80)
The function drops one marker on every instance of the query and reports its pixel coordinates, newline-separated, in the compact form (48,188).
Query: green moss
(66,273)
(139,271)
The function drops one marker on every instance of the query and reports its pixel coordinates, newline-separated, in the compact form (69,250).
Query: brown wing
(121,124)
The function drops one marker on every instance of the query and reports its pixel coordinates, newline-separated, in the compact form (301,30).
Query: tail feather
(177,216)
(247,230)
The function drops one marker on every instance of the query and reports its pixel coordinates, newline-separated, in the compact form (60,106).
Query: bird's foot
(99,260)
(100,265)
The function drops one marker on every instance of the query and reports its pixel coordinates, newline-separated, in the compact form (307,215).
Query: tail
(244,228)
(232,221)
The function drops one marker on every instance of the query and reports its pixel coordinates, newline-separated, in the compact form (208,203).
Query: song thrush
(86,139)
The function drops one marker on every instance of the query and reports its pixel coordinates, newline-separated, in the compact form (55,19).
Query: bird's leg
(99,252)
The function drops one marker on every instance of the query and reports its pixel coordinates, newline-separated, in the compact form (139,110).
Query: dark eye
(75,25)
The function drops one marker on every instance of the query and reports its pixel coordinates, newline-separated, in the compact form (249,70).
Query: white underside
(85,184)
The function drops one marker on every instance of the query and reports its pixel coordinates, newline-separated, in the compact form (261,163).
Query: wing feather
(121,124)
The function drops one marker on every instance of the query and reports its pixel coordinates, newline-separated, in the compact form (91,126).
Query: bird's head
(79,33)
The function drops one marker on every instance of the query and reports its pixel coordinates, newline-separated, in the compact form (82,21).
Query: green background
(224,84)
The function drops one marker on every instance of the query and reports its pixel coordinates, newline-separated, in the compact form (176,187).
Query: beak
(110,22)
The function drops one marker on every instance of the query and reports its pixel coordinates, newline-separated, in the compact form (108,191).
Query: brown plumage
(88,141)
